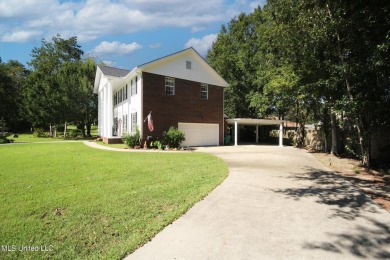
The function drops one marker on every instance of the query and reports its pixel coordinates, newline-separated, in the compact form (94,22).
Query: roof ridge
(112,67)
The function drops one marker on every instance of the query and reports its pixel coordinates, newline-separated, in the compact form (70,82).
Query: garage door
(200,134)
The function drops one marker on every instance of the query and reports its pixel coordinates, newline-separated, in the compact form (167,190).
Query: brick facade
(185,106)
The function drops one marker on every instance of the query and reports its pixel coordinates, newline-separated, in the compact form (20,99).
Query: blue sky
(122,33)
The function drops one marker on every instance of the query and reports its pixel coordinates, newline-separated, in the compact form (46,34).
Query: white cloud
(253,5)
(20,36)
(115,48)
(202,45)
(109,63)
(91,19)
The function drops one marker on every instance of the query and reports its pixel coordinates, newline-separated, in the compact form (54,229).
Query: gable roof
(167,56)
(114,72)
(212,76)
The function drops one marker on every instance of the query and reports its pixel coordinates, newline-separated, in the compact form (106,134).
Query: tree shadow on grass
(368,241)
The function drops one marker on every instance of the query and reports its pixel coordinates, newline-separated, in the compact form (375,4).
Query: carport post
(235,133)
(257,134)
(281,135)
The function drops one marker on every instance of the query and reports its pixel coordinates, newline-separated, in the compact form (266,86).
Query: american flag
(150,121)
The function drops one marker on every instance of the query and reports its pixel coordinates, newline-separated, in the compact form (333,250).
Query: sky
(121,33)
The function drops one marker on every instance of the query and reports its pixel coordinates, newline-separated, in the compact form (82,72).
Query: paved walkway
(276,203)
(107,148)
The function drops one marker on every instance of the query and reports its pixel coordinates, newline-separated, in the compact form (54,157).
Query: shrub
(5,140)
(39,132)
(132,140)
(157,144)
(73,133)
(173,137)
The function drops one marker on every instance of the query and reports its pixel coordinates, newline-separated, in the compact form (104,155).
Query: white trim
(235,132)
(281,135)
(250,121)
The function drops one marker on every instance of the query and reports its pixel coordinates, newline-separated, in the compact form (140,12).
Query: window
(135,83)
(188,65)
(133,122)
(126,91)
(204,91)
(170,86)
(115,99)
(134,87)
(124,123)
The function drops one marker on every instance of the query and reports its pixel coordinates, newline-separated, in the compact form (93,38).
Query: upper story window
(134,86)
(204,91)
(120,95)
(188,65)
(169,86)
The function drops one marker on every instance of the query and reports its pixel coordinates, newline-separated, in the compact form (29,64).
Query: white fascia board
(98,76)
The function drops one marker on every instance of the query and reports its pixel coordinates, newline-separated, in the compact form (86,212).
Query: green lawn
(30,138)
(87,203)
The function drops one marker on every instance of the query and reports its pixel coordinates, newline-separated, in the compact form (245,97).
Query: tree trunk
(50,131)
(65,129)
(359,121)
(324,129)
(333,122)
(89,129)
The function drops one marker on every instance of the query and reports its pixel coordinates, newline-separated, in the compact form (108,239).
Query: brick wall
(185,106)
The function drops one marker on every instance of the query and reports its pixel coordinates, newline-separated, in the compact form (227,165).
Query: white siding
(176,67)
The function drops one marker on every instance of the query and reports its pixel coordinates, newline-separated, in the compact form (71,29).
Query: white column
(257,134)
(110,109)
(281,135)
(105,109)
(235,132)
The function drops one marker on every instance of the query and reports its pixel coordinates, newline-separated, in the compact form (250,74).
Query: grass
(84,203)
(120,146)
(30,138)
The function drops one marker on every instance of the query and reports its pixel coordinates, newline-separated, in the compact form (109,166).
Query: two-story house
(180,90)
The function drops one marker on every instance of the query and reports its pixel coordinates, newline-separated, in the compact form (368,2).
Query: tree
(59,89)
(311,61)
(12,78)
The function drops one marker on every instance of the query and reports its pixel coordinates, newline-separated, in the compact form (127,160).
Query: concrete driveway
(276,203)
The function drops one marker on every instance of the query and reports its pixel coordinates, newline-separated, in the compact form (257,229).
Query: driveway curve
(276,203)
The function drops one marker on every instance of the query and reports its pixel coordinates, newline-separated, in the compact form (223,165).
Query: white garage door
(200,134)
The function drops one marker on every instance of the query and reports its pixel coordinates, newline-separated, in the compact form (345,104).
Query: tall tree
(59,89)
(12,78)
(322,60)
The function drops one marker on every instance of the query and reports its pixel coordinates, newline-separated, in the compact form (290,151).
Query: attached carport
(255,122)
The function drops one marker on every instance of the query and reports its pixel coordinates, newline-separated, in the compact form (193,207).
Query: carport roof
(251,121)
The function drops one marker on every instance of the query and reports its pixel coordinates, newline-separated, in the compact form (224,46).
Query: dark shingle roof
(115,72)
